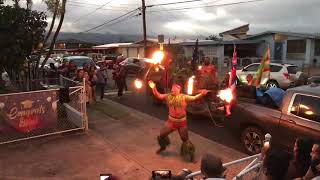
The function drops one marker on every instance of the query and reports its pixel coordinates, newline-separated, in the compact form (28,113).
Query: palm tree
(29,4)
(53,7)
(63,10)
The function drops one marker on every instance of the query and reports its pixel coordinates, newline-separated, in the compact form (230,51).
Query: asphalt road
(197,124)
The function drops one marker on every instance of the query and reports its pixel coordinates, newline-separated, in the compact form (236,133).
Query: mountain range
(96,38)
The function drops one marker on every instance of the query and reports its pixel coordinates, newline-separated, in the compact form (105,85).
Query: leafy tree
(214,38)
(21,32)
(86,45)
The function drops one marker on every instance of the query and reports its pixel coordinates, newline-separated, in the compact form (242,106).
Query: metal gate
(33,114)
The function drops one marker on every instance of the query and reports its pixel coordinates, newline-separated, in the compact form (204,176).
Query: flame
(226,95)
(309,112)
(302,106)
(138,83)
(157,57)
(199,67)
(190,85)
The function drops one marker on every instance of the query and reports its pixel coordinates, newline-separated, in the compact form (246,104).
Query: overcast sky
(280,15)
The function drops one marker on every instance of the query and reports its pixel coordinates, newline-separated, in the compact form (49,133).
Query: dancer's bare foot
(160,150)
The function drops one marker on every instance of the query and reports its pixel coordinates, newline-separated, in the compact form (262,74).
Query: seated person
(300,163)
(212,167)
(275,164)
(314,169)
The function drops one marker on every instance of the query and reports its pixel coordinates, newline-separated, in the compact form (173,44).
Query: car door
(301,120)
(251,69)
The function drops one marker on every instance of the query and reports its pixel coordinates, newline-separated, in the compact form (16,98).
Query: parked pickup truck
(298,116)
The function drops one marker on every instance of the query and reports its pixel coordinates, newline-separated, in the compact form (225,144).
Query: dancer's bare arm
(196,97)
(156,92)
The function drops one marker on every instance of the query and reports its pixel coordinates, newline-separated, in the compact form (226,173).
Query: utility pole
(144,27)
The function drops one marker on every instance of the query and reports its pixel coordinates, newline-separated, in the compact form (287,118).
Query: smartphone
(161,174)
(105,176)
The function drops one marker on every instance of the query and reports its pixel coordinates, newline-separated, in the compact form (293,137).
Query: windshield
(80,61)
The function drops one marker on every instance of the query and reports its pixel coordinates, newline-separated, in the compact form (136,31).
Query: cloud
(284,15)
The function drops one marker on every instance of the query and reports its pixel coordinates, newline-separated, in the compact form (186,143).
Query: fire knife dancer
(177,120)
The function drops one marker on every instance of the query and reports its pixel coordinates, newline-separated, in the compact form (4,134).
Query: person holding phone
(314,170)
(177,120)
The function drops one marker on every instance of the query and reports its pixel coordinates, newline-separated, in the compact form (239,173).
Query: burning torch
(226,95)
(190,85)
(156,59)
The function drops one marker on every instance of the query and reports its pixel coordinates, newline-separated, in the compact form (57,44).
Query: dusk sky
(199,18)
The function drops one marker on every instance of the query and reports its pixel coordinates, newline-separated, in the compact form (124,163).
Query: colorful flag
(233,75)
(195,56)
(232,80)
(263,73)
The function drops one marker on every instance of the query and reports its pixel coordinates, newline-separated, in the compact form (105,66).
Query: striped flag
(232,79)
(233,75)
(263,73)
(195,56)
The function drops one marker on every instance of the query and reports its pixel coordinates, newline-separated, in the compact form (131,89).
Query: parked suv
(281,75)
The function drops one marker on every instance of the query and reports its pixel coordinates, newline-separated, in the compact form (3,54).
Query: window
(296,46)
(307,107)
(292,69)
(274,68)
(317,48)
(253,67)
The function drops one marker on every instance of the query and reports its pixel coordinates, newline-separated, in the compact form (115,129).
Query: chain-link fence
(26,115)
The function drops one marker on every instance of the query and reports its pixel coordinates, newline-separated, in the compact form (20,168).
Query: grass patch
(109,110)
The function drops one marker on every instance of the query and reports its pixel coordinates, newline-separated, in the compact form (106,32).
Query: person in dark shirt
(301,159)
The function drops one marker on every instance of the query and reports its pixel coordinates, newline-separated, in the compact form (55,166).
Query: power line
(123,20)
(92,12)
(100,4)
(107,22)
(215,5)
(179,2)
(108,9)
(91,4)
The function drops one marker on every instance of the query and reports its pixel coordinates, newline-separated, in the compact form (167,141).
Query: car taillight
(286,75)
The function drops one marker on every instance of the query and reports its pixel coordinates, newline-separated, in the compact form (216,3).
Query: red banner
(29,111)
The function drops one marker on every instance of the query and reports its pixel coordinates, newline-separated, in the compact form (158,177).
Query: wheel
(272,84)
(252,140)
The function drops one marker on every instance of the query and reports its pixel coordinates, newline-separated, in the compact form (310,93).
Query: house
(136,49)
(220,52)
(289,47)
(236,33)
(111,49)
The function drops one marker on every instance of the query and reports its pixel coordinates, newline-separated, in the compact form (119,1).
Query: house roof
(211,42)
(238,30)
(111,45)
(302,35)
(166,41)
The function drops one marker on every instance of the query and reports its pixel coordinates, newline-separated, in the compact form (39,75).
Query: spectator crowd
(304,164)
(95,79)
